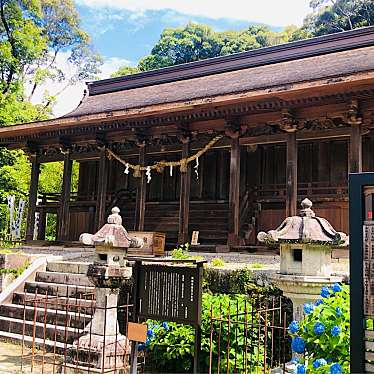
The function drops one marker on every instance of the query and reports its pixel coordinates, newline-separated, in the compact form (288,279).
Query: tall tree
(33,33)
(330,16)
(198,41)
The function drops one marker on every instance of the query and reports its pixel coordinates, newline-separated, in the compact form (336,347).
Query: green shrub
(181,252)
(256,266)
(323,335)
(170,346)
(218,262)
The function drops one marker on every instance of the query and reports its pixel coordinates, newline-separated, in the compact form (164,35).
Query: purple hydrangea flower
(336,369)
(336,287)
(294,327)
(319,328)
(301,369)
(335,331)
(308,308)
(298,345)
(325,292)
(319,362)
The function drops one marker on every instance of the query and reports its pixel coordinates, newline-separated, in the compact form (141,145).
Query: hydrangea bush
(322,337)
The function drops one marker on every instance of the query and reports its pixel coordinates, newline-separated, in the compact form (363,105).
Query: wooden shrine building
(287,122)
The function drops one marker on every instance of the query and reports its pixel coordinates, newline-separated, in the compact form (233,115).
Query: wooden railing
(277,192)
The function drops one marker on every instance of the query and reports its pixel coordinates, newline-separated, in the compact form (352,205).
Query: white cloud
(72,95)
(272,12)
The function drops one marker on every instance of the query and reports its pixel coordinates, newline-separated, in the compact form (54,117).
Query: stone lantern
(306,243)
(102,344)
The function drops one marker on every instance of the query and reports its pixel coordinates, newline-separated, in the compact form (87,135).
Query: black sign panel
(170,293)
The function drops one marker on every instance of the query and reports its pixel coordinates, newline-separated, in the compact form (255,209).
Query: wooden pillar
(141,192)
(291,174)
(234,193)
(33,197)
(184,196)
(42,224)
(102,183)
(355,149)
(64,215)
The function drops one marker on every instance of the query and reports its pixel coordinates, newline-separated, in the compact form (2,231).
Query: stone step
(40,314)
(75,279)
(58,289)
(39,342)
(86,306)
(68,267)
(29,328)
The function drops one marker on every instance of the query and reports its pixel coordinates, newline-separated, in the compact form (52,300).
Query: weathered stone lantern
(306,243)
(102,344)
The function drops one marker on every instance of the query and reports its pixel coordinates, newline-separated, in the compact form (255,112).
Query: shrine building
(226,146)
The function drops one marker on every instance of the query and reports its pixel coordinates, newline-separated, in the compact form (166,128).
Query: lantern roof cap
(305,228)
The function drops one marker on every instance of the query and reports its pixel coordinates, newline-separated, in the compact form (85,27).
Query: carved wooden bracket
(289,123)
(233,128)
(353,116)
(184,135)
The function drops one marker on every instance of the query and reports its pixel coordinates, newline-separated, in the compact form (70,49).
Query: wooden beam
(141,193)
(102,182)
(234,193)
(64,215)
(184,196)
(33,197)
(355,149)
(291,175)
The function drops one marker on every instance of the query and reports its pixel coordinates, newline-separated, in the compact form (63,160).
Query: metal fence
(58,336)
(249,337)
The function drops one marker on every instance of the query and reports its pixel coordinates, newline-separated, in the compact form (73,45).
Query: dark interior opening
(298,255)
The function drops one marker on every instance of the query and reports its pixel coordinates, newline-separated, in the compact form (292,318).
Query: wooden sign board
(170,293)
(137,332)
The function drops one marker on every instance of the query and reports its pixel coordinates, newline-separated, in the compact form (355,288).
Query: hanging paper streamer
(15,218)
(196,167)
(148,174)
(127,168)
(171,170)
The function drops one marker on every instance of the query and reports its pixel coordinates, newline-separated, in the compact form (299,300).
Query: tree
(197,42)
(125,70)
(330,16)
(33,33)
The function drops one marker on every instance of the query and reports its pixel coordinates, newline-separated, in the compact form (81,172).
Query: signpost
(167,290)
(361,230)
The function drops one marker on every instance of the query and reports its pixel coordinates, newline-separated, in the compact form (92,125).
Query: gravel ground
(11,360)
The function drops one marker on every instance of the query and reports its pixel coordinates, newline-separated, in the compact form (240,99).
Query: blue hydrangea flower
(298,345)
(165,325)
(325,292)
(141,347)
(294,327)
(147,342)
(318,302)
(319,362)
(301,369)
(336,287)
(335,331)
(336,369)
(329,360)
(319,328)
(155,327)
(150,333)
(308,308)
(338,311)
(295,360)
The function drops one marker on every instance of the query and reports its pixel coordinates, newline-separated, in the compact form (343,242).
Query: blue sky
(123,31)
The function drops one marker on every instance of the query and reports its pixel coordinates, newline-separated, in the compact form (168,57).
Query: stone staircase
(64,306)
